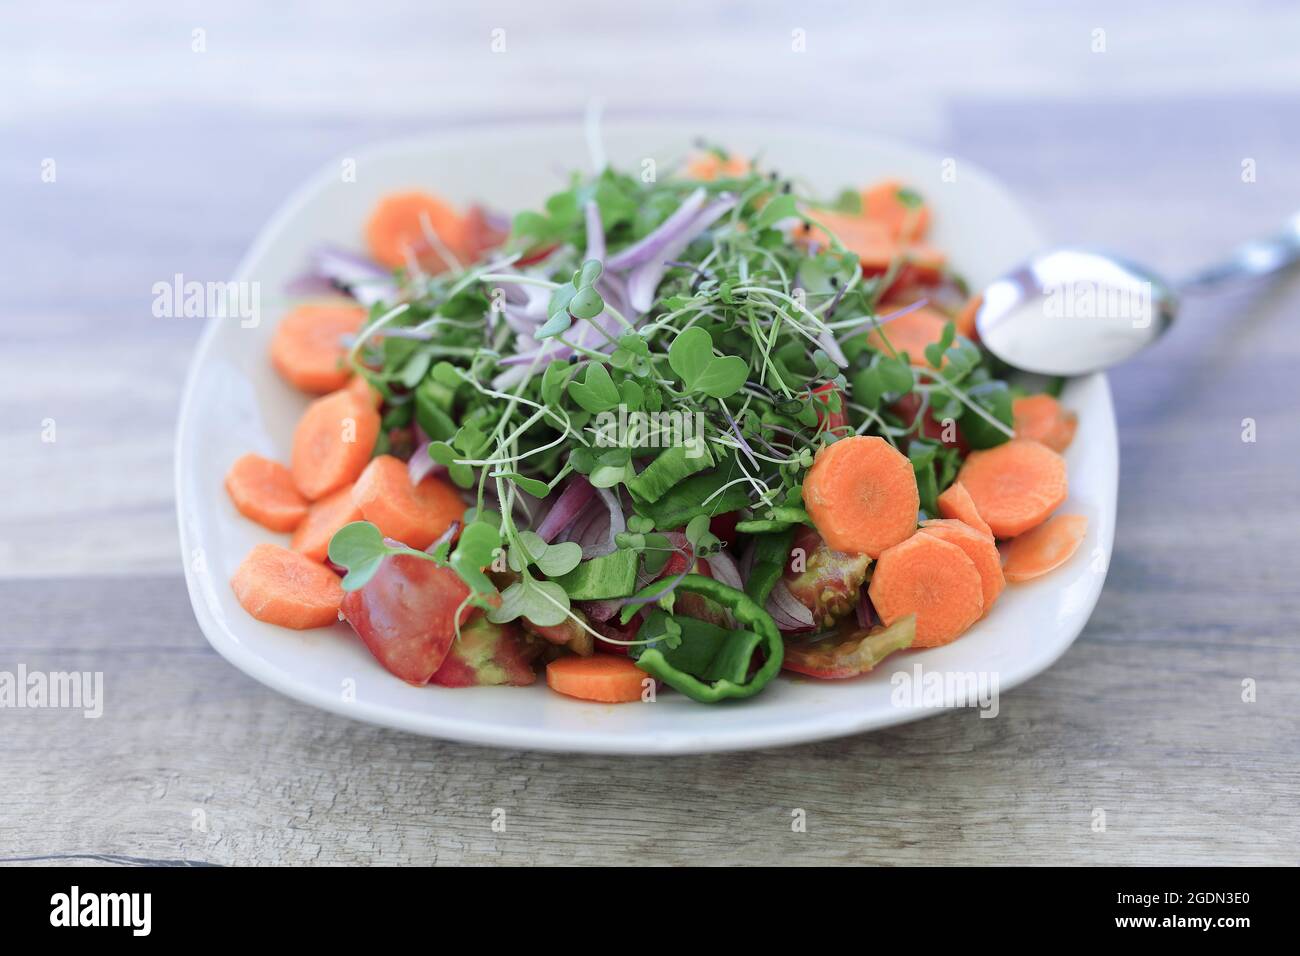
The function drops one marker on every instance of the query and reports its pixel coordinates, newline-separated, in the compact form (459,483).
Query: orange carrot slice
(861,494)
(1015,485)
(956,503)
(1045,548)
(332,443)
(358,386)
(979,547)
(282,587)
(606,678)
(263,490)
(965,318)
(881,203)
(1042,418)
(307,347)
(324,518)
(910,333)
(397,229)
(415,515)
(933,579)
(869,241)
(709,166)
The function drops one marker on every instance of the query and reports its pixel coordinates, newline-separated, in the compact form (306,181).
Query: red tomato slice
(905,408)
(488,654)
(855,653)
(827,419)
(406,615)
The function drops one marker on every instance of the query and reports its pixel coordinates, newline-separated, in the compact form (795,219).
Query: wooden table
(168,160)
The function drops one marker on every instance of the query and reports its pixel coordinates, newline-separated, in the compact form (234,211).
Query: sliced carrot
(1015,485)
(607,678)
(861,494)
(414,515)
(869,241)
(324,518)
(1045,548)
(397,230)
(332,443)
(965,318)
(979,547)
(709,166)
(1042,418)
(263,490)
(882,203)
(933,579)
(307,348)
(956,503)
(364,390)
(283,587)
(909,333)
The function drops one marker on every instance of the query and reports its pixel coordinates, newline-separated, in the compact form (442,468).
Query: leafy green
(691,357)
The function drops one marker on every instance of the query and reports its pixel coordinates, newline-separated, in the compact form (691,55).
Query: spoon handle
(1254,259)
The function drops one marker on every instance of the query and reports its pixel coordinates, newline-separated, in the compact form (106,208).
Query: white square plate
(235,403)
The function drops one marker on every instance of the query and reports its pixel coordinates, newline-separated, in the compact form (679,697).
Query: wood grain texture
(169,161)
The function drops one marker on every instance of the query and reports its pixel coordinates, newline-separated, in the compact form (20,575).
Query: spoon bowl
(1074,311)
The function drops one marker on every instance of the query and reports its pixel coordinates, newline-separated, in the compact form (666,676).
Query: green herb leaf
(691,357)
(597,392)
(359,547)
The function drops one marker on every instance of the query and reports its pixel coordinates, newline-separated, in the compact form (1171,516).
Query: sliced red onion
(747,560)
(735,430)
(723,568)
(654,243)
(595,233)
(786,610)
(645,278)
(589,527)
(867,617)
(600,611)
(575,496)
(880,320)
(452,530)
(421,466)
(616,526)
(310,284)
(510,377)
(517,318)
(597,525)
(496,221)
(832,348)
(354,274)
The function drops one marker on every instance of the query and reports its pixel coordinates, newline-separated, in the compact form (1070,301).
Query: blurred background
(142,140)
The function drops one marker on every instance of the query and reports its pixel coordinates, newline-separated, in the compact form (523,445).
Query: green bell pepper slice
(771,552)
(722,657)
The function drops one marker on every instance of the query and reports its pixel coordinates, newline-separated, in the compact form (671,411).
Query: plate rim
(709,739)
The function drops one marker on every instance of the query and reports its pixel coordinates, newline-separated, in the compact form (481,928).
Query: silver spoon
(1074,311)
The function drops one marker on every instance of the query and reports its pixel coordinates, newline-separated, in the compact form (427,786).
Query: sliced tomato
(488,654)
(906,408)
(534,256)
(724,526)
(619,632)
(829,581)
(849,654)
(826,418)
(406,615)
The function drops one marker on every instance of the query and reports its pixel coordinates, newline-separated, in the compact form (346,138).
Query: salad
(682,431)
